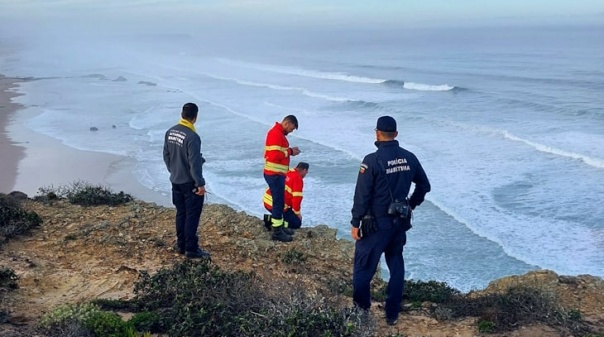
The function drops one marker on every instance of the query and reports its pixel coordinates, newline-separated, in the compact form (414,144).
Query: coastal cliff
(81,253)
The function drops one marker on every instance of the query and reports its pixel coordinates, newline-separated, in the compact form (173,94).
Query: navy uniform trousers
(188,212)
(389,239)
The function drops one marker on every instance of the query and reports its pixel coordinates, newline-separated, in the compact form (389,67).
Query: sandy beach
(31,160)
(11,153)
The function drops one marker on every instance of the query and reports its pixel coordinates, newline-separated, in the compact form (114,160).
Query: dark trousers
(188,211)
(390,240)
(292,219)
(276,184)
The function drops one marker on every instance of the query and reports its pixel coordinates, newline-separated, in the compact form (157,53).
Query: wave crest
(427,87)
(595,162)
(338,76)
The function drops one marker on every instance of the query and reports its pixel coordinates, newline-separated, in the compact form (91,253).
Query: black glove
(368,226)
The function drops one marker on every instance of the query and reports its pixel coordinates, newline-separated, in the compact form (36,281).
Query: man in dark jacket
(382,208)
(182,155)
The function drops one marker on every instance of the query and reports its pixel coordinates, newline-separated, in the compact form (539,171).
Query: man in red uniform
(276,164)
(294,185)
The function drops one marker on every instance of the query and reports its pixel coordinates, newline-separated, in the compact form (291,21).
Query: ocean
(507,123)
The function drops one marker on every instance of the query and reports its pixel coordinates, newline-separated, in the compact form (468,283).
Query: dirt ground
(83,253)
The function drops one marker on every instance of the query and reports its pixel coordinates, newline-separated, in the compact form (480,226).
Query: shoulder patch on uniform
(363,168)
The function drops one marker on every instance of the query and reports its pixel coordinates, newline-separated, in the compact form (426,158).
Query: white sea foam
(427,87)
(280,87)
(305,72)
(336,76)
(595,162)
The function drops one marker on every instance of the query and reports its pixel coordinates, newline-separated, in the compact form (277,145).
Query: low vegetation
(197,298)
(83,193)
(87,320)
(14,220)
(430,291)
(8,282)
(518,306)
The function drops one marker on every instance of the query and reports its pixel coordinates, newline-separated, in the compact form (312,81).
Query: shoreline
(12,153)
(31,160)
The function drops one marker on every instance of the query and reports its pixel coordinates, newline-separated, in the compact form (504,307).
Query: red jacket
(276,151)
(293,192)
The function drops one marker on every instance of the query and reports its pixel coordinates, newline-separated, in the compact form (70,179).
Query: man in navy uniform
(385,176)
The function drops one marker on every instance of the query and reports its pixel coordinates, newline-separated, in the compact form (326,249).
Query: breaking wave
(337,76)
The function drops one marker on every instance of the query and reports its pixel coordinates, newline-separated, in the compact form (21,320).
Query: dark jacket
(372,196)
(182,155)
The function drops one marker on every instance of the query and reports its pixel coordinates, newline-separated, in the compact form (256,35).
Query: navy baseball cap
(386,124)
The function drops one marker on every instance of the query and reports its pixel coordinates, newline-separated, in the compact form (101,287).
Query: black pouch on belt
(368,226)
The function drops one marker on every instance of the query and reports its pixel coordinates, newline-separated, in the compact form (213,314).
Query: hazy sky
(183,15)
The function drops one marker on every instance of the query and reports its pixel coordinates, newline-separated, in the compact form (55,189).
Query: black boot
(197,254)
(267,222)
(280,235)
(287,230)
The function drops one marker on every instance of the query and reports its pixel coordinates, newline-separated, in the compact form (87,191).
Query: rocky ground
(82,253)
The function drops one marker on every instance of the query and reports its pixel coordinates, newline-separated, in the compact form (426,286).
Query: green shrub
(195,298)
(518,306)
(293,256)
(431,291)
(97,195)
(574,315)
(379,292)
(486,327)
(147,321)
(87,319)
(416,305)
(106,324)
(85,194)
(66,317)
(14,220)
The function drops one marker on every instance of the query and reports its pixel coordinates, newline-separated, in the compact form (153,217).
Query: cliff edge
(82,253)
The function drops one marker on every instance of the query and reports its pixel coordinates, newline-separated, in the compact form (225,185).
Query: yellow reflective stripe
(274,171)
(295,194)
(267,199)
(276,148)
(275,167)
(285,150)
(277,222)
